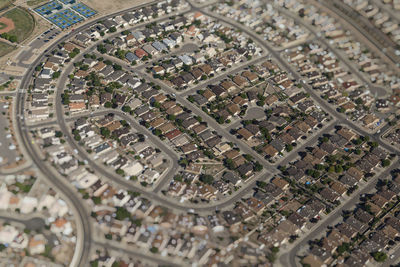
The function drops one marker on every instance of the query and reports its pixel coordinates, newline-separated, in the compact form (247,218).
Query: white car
(190,210)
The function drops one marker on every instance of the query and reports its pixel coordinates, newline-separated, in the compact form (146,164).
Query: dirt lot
(5,48)
(7,25)
(107,6)
(35,2)
(5,3)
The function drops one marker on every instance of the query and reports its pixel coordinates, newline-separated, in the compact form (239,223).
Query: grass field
(35,2)
(24,23)
(5,48)
(2,25)
(5,3)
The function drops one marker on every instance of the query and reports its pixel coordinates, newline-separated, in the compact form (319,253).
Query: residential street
(290,258)
(206,217)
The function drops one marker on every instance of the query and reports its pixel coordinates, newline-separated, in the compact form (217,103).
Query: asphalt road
(155,197)
(230,71)
(153,194)
(342,119)
(32,223)
(256,112)
(369,39)
(61,122)
(137,253)
(310,142)
(51,177)
(342,59)
(289,259)
(213,124)
(68,192)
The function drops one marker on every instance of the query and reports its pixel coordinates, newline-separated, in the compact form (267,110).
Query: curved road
(69,193)
(82,252)
(22,131)
(342,119)
(289,259)
(339,55)
(53,180)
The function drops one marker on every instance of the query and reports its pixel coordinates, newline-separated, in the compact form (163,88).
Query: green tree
(101,49)
(77,137)
(229,163)
(58,134)
(207,179)
(126,109)
(275,249)
(331,168)
(319,167)
(374,144)
(96,200)
(258,167)
(105,132)
(108,236)
(379,256)
(117,67)
(13,39)
(385,163)
(338,168)
(56,74)
(157,132)
(343,248)
(289,147)
(120,171)
(122,213)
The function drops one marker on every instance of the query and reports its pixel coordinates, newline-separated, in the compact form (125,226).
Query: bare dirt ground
(9,24)
(106,6)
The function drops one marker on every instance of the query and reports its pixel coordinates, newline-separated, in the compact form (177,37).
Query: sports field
(23,23)
(6,25)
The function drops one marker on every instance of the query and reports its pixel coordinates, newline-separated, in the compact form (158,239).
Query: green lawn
(5,48)
(5,3)
(23,21)
(2,25)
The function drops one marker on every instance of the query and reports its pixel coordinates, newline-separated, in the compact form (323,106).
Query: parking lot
(45,37)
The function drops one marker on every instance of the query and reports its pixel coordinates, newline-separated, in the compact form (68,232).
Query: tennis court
(65,18)
(84,10)
(68,2)
(49,8)
(65,13)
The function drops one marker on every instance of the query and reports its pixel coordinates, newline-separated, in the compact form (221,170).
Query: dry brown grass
(107,6)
